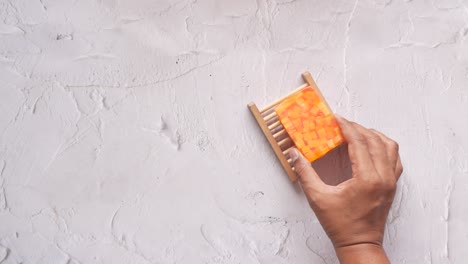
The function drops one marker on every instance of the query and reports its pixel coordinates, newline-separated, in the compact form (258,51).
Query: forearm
(362,254)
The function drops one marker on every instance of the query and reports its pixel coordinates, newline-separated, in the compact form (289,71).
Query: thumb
(307,175)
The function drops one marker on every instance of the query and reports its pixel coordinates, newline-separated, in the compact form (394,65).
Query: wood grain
(274,145)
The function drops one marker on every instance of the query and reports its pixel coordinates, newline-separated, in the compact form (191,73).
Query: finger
(308,178)
(377,150)
(357,147)
(392,148)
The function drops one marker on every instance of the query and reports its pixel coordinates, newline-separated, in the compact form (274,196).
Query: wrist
(365,253)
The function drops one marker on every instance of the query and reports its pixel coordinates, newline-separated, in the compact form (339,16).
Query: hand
(353,213)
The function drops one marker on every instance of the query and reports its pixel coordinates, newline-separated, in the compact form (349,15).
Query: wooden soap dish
(274,131)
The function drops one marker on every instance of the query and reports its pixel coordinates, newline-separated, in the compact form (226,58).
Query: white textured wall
(125,136)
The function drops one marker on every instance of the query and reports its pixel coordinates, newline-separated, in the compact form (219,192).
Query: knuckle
(375,184)
(374,139)
(300,168)
(399,170)
(394,145)
(381,185)
(370,184)
(389,186)
(360,139)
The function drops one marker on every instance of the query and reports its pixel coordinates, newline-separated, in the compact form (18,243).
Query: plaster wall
(125,136)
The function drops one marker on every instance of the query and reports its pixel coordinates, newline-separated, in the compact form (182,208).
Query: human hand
(353,213)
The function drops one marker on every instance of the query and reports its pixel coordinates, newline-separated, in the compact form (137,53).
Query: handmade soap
(310,123)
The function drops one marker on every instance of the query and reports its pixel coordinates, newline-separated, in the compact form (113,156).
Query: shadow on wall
(335,167)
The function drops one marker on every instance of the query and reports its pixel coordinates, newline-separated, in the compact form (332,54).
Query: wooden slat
(286,152)
(278,152)
(269,111)
(285,140)
(276,129)
(274,125)
(280,133)
(270,116)
(271,121)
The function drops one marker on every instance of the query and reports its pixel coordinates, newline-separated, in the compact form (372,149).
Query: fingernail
(339,118)
(294,155)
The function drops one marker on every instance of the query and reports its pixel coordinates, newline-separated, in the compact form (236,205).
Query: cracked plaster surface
(125,137)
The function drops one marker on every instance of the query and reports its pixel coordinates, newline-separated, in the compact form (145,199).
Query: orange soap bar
(310,123)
